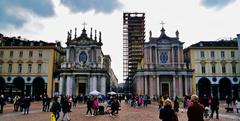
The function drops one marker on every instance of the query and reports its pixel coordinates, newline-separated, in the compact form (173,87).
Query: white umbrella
(112,93)
(95,92)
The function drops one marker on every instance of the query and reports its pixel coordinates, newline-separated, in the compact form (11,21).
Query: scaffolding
(133,45)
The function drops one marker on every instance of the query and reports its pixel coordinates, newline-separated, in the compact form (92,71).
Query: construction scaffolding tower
(133,45)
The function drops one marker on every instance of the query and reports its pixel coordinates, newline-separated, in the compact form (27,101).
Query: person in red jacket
(195,110)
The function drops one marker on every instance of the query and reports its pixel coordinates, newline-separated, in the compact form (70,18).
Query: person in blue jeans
(26,105)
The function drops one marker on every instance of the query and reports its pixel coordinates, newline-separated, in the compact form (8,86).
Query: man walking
(214,106)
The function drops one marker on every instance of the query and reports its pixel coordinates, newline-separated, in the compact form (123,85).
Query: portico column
(151,86)
(94,83)
(158,85)
(103,85)
(61,86)
(174,86)
(73,86)
(180,86)
(67,55)
(69,85)
(146,86)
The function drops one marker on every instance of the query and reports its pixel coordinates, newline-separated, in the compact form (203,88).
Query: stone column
(158,85)
(146,85)
(61,86)
(174,86)
(74,86)
(103,85)
(180,86)
(90,84)
(69,85)
(151,86)
(186,85)
(94,83)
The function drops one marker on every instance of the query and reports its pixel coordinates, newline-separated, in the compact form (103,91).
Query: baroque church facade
(162,70)
(86,68)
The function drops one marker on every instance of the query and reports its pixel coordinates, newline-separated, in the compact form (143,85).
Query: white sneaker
(92,115)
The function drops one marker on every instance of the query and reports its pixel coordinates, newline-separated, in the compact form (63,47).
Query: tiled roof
(221,43)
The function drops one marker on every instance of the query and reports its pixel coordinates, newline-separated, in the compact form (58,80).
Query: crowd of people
(197,108)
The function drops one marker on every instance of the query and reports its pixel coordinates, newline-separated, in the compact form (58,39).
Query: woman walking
(167,113)
(95,106)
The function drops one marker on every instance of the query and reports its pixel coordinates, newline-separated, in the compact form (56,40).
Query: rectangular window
(222,54)
(56,87)
(203,69)
(232,54)
(29,68)
(213,68)
(9,68)
(30,54)
(39,68)
(40,54)
(202,54)
(11,54)
(19,68)
(21,54)
(234,68)
(223,68)
(0,68)
(1,54)
(212,54)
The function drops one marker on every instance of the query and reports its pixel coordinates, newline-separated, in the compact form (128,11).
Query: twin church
(85,68)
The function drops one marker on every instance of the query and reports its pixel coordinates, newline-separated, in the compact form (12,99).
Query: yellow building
(28,67)
(216,67)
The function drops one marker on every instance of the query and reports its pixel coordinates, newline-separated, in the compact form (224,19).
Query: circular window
(29,78)
(214,79)
(83,57)
(235,79)
(9,78)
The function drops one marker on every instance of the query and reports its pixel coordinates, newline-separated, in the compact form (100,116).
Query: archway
(225,88)
(18,86)
(2,85)
(204,87)
(38,88)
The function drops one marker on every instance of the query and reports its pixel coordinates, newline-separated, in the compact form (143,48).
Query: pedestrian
(44,100)
(167,113)
(113,106)
(74,101)
(195,110)
(65,109)
(95,106)
(237,102)
(176,104)
(56,108)
(26,105)
(229,103)
(89,106)
(2,103)
(214,106)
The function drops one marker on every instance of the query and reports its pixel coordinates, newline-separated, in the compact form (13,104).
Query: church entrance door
(82,88)
(165,89)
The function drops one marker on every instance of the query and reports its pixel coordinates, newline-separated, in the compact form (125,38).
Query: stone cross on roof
(162,23)
(84,24)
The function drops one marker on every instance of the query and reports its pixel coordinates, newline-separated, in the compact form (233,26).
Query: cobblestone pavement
(127,113)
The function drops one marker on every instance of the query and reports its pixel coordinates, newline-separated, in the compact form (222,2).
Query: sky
(49,20)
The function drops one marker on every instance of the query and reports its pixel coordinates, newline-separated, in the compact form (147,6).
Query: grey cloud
(105,6)
(216,3)
(42,8)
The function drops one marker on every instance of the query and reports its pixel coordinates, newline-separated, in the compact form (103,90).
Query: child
(206,110)
(238,105)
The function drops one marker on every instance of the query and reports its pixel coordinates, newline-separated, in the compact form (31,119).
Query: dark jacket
(65,106)
(195,112)
(89,103)
(215,104)
(55,107)
(166,113)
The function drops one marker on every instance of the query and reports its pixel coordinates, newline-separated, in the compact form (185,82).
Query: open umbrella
(112,93)
(94,92)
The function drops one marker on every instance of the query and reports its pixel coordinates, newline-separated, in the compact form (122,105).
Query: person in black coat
(214,106)
(65,108)
(89,106)
(26,104)
(167,113)
(56,108)
(2,103)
